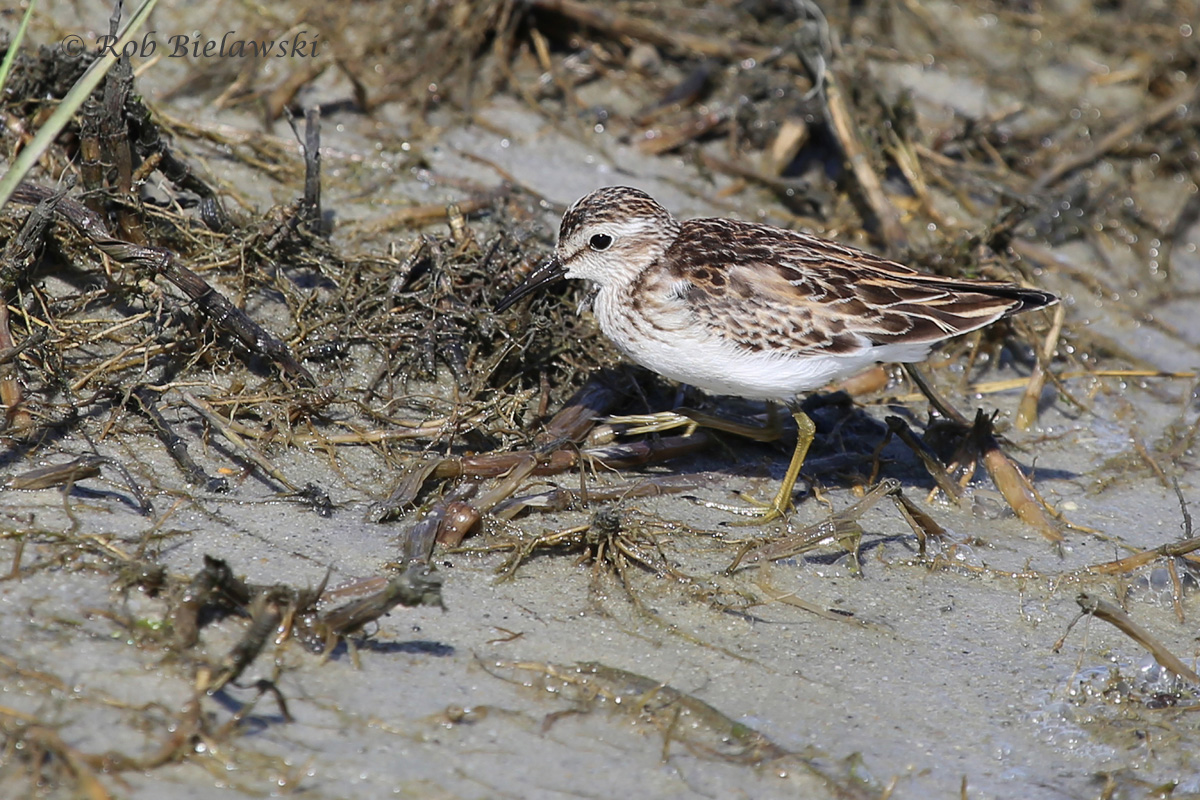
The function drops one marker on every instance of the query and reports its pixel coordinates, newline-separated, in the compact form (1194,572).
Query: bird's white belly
(677,348)
(721,369)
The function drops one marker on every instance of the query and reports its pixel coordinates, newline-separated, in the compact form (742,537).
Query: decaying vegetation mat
(238,343)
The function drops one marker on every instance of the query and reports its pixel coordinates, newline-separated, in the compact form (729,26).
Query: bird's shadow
(851,446)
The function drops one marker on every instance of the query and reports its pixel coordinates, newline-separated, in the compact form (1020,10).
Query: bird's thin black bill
(549,272)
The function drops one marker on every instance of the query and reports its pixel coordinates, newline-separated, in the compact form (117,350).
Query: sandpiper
(739,308)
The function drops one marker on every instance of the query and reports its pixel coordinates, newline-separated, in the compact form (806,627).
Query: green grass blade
(15,45)
(69,105)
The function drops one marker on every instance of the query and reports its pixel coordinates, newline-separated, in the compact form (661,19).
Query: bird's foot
(690,419)
(656,423)
(778,508)
(759,513)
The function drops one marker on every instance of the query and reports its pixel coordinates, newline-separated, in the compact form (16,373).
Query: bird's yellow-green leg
(690,420)
(779,507)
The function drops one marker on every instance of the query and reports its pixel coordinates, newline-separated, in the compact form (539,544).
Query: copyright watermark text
(181,45)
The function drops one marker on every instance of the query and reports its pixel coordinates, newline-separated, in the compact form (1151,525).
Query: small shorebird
(756,311)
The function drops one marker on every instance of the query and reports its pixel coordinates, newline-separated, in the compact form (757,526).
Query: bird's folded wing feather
(765,289)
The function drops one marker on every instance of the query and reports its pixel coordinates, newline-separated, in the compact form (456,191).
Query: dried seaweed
(138,311)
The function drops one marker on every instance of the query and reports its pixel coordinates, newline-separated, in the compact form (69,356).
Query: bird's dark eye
(601,241)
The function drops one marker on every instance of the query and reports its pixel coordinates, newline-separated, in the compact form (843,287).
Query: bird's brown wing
(767,289)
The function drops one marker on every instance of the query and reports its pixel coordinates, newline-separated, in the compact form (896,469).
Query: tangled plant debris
(152,313)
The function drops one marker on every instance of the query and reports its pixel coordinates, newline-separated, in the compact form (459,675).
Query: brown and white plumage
(753,310)
(756,311)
